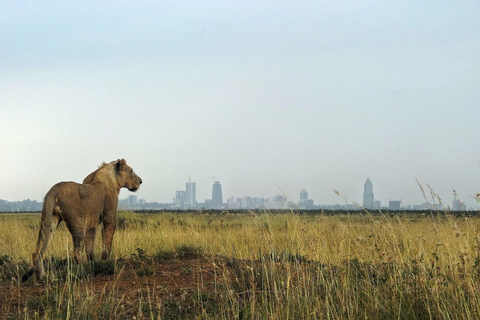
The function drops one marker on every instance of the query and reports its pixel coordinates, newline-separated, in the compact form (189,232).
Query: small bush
(183,252)
(189,252)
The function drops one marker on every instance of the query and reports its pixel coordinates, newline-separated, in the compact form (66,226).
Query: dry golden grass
(296,266)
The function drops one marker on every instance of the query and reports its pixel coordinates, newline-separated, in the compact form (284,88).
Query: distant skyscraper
(368,195)
(303,195)
(394,205)
(132,201)
(190,197)
(304,202)
(179,200)
(217,198)
(457,205)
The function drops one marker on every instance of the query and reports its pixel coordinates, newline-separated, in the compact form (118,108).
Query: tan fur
(83,207)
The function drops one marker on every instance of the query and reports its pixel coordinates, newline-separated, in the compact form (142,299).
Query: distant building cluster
(278,202)
(370,203)
(305,203)
(186,200)
(456,204)
(246,202)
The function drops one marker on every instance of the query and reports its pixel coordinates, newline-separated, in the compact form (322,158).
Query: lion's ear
(120,165)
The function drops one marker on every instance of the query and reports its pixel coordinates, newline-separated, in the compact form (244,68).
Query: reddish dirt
(134,283)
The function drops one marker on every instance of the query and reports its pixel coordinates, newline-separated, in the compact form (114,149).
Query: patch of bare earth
(135,283)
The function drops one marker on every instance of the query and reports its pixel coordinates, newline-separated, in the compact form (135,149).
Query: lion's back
(73,198)
(64,188)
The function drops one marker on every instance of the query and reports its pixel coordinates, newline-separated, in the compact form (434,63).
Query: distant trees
(20,206)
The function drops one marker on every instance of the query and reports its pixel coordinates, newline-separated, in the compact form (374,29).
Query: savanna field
(251,266)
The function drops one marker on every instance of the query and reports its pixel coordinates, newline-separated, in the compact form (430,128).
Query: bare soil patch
(176,287)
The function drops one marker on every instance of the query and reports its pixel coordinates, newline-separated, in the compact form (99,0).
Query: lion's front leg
(108,231)
(90,243)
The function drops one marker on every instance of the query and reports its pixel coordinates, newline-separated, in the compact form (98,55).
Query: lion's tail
(47,217)
(43,235)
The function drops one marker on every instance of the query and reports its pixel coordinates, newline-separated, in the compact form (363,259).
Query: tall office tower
(190,198)
(179,200)
(303,195)
(368,195)
(217,199)
(304,202)
(132,201)
(457,205)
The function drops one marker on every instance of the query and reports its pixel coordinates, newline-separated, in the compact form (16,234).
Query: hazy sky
(268,97)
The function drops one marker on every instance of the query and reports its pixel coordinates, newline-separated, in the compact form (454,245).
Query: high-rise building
(179,200)
(304,202)
(190,197)
(394,205)
(368,202)
(457,205)
(132,201)
(303,195)
(217,198)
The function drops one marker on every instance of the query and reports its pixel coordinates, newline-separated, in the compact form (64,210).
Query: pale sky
(268,97)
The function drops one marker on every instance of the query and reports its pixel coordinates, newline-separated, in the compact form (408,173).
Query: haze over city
(266,97)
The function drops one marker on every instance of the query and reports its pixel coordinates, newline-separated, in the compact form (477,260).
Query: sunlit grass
(277,266)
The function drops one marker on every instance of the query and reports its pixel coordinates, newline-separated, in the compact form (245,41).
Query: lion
(83,207)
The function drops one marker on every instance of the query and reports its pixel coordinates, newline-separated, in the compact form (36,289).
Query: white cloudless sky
(268,97)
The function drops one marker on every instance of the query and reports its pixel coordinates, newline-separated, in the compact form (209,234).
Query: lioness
(83,207)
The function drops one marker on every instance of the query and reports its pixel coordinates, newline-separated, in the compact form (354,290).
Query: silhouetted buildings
(186,200)
(368,199)
(303,195)
(246,202)
(179,200)
(394,205)
(190,195)
(305,203)
(278,202)
(457,205)
(132,201)
(217,198)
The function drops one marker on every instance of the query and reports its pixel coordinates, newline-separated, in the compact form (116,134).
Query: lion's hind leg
(78,243)
(107,232)
(47,230)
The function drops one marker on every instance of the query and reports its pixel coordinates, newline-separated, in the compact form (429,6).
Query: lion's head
(126,177)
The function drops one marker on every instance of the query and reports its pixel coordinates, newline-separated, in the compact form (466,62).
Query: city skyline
(187,199)
(280,201)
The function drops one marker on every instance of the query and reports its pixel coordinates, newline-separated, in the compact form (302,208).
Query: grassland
(241,266)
